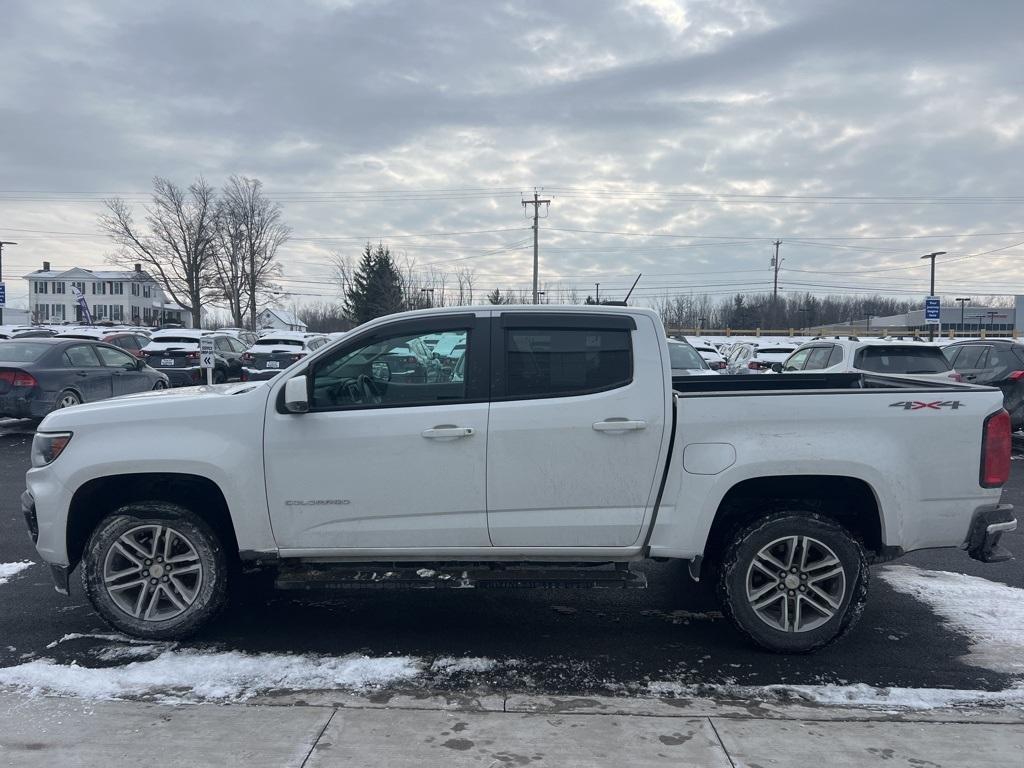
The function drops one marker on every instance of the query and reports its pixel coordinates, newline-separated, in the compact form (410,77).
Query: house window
(57,312)
(42,312)
(147,291)
(117,289)
(117,312)
(136,315)
(99,311)
(80,285)
(42,287)
(58,287)
(135,289)
(100,288)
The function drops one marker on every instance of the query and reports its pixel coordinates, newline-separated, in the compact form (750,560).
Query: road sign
(932,311)
(3,295)
(206,359)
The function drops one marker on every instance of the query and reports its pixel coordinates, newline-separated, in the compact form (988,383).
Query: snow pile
(7,570)
(450,665)
(991,615)
(859,695)
(225,676)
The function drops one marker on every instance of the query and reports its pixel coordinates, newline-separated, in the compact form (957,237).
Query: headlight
(47,446)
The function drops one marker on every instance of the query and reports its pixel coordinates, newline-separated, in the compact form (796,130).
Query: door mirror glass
(381,371)
(777,367)
(296,395)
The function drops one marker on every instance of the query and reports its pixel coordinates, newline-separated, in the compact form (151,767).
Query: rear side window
(567,361)
(684,356)
(22,351)
(971,356)
(81,357)
(907,360)
(836,357)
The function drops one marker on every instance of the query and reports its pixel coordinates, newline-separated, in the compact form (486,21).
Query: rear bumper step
(987,527)
(322,576)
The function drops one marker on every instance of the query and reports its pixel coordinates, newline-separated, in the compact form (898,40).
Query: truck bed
(749,384)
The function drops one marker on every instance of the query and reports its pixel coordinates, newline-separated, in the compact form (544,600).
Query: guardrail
(980,333)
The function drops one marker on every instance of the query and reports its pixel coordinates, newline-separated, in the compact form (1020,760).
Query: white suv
(908,359)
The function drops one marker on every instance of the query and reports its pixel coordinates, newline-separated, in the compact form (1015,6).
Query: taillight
(191,355)
(995,450)
(18,378)
(717,365)
(956,376)
(247,357)
(297,356)
(1016,376)
(245,376)
(754,365)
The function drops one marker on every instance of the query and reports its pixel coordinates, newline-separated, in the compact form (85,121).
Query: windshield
(175,340)
(22,351)
(902,360)
(685,356)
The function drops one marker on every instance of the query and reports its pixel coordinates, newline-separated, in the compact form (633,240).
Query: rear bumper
(988,524)
(21,407)
(259,374)
(184,377)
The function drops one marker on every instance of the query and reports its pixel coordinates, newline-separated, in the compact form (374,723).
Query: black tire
(738,568)
(210,588)
(160,384)
(66,399)
(219,377)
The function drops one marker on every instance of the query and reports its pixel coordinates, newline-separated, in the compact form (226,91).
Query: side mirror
(380,371)
(296,395)
(777,367)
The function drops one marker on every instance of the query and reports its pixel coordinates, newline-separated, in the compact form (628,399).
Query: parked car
(553,454)
(750,357)
(995,363)
(686,361)
(40,375)
(906,359)
(24,332)
(176,353)
(271,354)
(247,337)
(130,341)
(711,355)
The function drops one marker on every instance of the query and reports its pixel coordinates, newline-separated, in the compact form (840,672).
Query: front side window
(115,358)
(389,370)
(796,360)
(970,356)
(818,358)
(566,361)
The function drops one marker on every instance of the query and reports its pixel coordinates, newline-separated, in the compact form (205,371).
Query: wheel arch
(849,501)
(98,497)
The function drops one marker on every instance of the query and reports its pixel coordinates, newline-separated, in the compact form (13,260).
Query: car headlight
(47,446)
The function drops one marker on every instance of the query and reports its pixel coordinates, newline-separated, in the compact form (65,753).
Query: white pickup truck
(544,447)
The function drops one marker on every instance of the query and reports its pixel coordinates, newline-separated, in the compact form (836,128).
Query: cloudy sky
(676,138)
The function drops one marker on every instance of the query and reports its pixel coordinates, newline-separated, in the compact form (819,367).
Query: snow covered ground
(7,570)
(990,614)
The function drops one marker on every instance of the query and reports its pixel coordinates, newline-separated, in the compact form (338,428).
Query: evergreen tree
(376,286)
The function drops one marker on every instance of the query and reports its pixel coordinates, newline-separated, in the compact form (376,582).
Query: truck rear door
(576,428)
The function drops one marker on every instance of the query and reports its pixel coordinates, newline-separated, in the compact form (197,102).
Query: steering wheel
(346,391)
(371,392)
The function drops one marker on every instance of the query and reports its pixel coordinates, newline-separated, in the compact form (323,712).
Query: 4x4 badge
(918,405)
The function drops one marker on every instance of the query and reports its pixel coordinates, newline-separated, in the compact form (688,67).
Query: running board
(325,576)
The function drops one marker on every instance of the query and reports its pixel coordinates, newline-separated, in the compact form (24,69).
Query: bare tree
(249,232)
(177,243)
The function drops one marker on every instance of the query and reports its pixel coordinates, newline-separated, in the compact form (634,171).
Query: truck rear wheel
(794,582)
(155,570)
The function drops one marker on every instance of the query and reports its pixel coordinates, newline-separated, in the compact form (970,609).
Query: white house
(131,297)
(279,320)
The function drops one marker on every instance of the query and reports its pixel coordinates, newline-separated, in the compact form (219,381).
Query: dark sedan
(40,375)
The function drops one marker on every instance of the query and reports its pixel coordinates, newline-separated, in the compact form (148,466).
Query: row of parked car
(991,362)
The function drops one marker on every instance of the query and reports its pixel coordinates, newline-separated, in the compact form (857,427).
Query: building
(279,320)
(130,297)
(967,320)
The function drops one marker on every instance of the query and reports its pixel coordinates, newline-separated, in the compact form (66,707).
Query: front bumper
(59,573)
(988,525)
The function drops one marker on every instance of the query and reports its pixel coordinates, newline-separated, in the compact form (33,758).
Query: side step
(321,576)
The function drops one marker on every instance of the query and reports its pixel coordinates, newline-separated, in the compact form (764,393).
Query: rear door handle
(436,432)
(622,425)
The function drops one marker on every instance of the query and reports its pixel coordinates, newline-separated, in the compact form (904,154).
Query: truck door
(578,405)
(391,454)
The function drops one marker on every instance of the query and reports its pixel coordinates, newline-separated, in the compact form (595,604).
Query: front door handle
(621,425)
(447,431)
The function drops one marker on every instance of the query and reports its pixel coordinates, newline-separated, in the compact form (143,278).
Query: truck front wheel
(794,582)
(155,570)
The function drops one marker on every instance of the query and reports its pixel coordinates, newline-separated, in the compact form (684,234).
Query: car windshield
(908,360)
(684,356)
(176,340)
(22,351)
(279,343)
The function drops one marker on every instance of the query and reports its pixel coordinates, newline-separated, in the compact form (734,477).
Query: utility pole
(2,244)
(597,293)
(776,264)
(962,301)
(536,203)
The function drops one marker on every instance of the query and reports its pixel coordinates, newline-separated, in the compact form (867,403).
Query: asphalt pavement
(562,641)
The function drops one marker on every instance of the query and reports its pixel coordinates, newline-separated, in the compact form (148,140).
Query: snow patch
(7,570)
(990,614)
(449,665)
(94,636)
(424,573)
(180,676)
(858,695)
